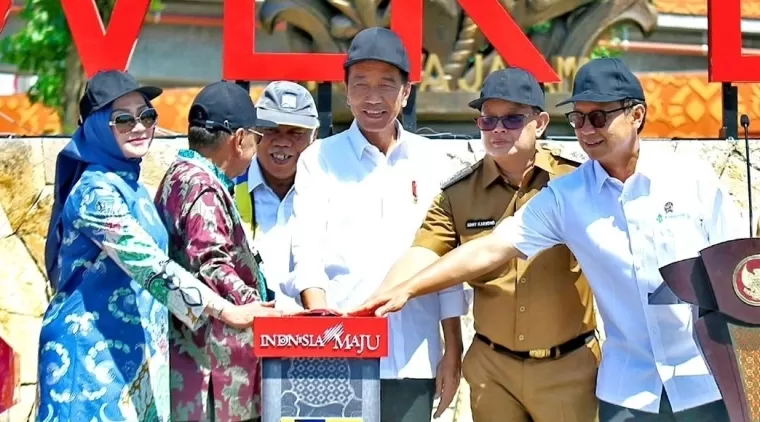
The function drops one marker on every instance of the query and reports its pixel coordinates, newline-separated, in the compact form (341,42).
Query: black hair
(199,137)
(630,102)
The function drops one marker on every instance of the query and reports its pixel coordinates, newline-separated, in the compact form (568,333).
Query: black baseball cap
(512,84)
(225,106)
(106,87)
(605,80)
(379,44)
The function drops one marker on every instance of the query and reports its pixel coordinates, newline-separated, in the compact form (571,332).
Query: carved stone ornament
(327,26)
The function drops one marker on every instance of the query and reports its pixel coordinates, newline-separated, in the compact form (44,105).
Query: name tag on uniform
(480,224)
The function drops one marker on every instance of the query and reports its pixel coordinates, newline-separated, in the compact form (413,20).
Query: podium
(723,282)
(320,368)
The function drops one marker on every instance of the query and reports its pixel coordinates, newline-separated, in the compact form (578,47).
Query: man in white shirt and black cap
(264,194)
(624,214)
(360,196)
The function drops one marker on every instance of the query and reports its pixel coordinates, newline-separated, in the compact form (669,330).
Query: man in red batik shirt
(213,374)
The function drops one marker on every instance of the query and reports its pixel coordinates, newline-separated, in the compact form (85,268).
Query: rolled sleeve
(309,226)
(534,227)
(438,232)
(453,302)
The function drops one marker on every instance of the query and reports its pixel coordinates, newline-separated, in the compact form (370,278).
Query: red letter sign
(100,49)
(241,62)
(5,10)
(725,60)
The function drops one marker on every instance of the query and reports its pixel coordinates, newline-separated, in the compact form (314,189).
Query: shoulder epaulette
(567,155)
(461,174)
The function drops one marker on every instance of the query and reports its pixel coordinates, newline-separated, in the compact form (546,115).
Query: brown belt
(554,352)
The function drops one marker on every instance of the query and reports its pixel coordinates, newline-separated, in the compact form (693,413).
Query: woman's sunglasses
(597,118)
(126,122)
(510,121)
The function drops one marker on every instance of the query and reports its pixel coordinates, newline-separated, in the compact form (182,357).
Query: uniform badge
(747,280)
(480,224)
(668,207)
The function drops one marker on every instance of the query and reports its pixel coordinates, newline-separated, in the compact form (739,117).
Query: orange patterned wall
(680,105)
(750,8)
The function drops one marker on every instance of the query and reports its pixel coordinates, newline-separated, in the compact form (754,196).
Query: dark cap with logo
(605,80)
(106,87)
(225,106)
(379,44)
(511,84)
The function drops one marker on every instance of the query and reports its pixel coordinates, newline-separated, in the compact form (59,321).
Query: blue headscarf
(92,143)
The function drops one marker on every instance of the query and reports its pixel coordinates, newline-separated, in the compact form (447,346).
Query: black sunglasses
(126,122)
(510,121)
(597,118)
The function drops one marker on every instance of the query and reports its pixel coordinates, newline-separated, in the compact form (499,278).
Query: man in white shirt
(265,193)
(360,196)
(624,214)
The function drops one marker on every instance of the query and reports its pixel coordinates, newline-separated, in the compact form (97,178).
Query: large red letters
(112,49)
(241,62)
(5,10)
(101,49)
(724,34)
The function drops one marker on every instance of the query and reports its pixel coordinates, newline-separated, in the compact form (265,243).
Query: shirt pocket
(678,237)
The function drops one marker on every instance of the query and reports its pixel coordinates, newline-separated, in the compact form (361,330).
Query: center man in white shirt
(360,197)
(624,214)
(264,195)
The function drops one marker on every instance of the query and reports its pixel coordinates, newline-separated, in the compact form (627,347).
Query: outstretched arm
(533,228)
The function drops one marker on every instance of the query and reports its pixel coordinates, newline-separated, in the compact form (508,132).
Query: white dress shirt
(272,237)
(355,214)
(622,233)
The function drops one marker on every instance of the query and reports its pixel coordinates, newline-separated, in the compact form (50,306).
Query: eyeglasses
(126,122)
(597,118)
(510,121)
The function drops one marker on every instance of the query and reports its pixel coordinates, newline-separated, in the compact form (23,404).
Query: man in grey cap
(264,194)
(625,213)
(360,196)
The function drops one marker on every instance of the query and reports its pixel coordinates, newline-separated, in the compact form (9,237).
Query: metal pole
(245,84)
(730,111)
(409,113)
(324,109)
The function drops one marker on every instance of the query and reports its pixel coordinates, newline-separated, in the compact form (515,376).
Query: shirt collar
(359,142)
(204,162)
(491,172)
(643,168)
(255,176)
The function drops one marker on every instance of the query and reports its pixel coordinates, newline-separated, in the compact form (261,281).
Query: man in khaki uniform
(535,355)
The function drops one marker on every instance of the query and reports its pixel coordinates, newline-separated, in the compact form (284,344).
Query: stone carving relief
(329,25)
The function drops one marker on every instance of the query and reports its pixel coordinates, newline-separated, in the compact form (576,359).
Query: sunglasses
(126,122)
(597,118)
(510,121)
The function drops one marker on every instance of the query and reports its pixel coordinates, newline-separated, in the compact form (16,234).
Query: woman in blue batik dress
(104,352)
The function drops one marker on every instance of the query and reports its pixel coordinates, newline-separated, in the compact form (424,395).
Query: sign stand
(320,367)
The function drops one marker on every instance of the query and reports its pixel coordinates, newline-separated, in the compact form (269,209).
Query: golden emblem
(747,280)
(540,353)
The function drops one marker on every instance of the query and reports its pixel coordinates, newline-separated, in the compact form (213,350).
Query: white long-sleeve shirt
(622,234)
(356,211)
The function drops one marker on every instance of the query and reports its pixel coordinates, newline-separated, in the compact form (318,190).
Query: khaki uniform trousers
(507,389)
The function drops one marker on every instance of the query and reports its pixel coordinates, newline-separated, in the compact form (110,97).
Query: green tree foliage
(42,48)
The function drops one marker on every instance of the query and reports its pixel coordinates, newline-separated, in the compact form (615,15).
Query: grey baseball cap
(288,103)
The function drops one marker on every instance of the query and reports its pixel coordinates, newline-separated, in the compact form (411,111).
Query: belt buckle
(540,353)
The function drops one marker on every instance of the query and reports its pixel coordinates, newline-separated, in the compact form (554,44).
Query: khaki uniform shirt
(557,305)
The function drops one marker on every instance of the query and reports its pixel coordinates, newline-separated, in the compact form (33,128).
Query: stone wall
(27,171)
